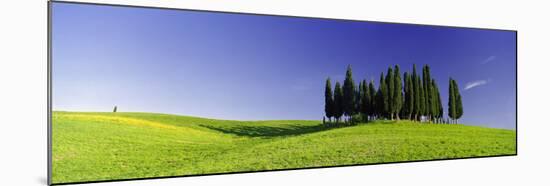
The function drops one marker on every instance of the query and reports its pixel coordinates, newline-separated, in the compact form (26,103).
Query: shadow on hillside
(268,131)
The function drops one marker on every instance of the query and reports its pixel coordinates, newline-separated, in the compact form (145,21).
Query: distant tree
(338,102)
(397,92)
(114,109)
(349,94)
(329,100)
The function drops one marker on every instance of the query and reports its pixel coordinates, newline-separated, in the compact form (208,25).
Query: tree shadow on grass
(269,131)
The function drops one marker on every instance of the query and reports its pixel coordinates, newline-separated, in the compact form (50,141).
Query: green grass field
(106,146)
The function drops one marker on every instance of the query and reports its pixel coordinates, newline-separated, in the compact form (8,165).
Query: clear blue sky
(248,67)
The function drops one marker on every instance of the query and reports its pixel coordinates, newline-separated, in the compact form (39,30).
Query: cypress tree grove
(411,96)
(397,93)
(349,94)
(390,83)
(329,100)
(338,102)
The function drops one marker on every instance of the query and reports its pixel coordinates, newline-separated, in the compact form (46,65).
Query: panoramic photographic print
(142,92)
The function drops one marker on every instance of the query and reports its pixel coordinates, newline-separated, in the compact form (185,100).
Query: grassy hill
(105,146)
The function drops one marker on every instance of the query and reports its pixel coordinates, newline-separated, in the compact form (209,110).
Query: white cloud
(489,59)
(474,84)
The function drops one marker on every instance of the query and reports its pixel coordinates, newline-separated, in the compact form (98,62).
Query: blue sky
(248,67)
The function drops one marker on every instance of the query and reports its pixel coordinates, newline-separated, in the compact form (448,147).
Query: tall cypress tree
(459,110)
(405,110)
(427,91)
(452,100)
(349,93)
(416,94)
(397,92)
(372,99)
(357,99)
(421,100)
(329,100)
(382,97)
(390,83)
(365,100)
(408,106)
(439,106)
(435,100)
(338,102)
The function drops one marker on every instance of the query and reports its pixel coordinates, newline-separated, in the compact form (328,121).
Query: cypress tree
(397,93)
(382,97)
(338,102)
(409,96)
(405,109)
(459,111)
(372,99)
(416,93)
(427,91)
(440,106)
(365,100)
(436,102)
(114,109)
(357,99)
(329,100)
(421,99)
(389,98)
(349,93)
(452,100)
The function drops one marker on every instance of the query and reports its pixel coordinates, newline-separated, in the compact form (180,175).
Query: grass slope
(105,146)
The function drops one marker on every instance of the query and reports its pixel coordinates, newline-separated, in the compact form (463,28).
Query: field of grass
(106,146)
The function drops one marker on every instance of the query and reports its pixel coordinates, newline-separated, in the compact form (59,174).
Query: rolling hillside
(105,146)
